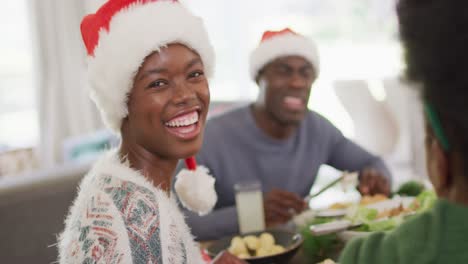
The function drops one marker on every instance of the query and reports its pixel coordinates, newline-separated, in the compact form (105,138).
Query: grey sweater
(235,149)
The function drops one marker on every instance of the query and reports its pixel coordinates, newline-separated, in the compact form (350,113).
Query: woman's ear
(261,83)
(259,78)
(124,125)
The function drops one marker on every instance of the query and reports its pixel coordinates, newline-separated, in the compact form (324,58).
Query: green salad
(369,217)
(317,248)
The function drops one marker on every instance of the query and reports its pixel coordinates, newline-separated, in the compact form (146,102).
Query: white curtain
(65,109)
(93,5)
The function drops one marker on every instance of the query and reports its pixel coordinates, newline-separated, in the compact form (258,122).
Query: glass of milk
(249,204)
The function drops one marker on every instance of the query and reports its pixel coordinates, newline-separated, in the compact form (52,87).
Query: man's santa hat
(275,44)
(121,34)
(118,37)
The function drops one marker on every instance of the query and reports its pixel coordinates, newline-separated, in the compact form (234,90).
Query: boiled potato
(263,245)
(251,242)
(277,249)
(243,256)
(237,246)
(261,252)
(267,241)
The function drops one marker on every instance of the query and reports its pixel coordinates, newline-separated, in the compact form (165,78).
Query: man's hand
(280,206)
(227,258)
(372,182)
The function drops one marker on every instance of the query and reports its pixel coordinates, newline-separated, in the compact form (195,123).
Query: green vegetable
(320,220)
(365,215)
(317,248)
(410,188)
(370,223)
(362,228)
(380,225)
(384,225)
(424,201)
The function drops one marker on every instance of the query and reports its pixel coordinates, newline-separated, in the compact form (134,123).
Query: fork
(331,184)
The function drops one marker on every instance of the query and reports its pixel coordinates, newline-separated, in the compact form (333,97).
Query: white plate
(304,217)
(331,213)
(395,202)
(347,235)
(391,203)
(330,227)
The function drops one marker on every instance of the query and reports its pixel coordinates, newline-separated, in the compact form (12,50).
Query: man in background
(277,141)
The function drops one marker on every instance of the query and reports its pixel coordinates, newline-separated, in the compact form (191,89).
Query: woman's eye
(196,74)
(157,84)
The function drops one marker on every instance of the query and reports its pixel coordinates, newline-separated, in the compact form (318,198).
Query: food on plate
(304,218)
(373,220)
(318,247)
(370,199)
(409,188)
(252,242)
(243,256)
(238,246)
(267,241)
(253,246)
(400,210)
(261,252)
(338,206)
(365,200)
(370,223)
(277,249)
(424,201)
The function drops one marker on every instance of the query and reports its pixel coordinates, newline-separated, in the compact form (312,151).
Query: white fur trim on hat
(134,33)
(285,45)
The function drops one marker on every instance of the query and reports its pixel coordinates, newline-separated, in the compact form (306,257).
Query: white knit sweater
(120,217)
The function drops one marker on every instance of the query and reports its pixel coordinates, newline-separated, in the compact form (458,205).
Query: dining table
(299,258)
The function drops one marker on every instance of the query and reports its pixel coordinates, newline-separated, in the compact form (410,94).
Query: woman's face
(168,104)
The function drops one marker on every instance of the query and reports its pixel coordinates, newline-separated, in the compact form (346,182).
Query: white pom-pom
(196,190)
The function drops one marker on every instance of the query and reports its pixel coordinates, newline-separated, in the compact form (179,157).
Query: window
(356,40)
(18,112)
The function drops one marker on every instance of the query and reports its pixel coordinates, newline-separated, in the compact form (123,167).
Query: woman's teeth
(185,120)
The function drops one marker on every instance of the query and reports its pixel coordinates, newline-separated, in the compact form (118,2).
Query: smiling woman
(156,98)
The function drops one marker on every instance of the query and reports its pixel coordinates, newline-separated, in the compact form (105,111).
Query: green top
(436,236)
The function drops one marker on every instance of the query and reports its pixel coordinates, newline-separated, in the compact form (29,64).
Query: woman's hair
(434,34)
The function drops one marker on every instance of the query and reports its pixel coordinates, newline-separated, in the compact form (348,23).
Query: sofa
(33,208)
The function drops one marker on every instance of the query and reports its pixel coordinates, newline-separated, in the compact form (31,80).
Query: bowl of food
(387,214)
(265,247)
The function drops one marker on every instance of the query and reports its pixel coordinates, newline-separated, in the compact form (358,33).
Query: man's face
(285,88)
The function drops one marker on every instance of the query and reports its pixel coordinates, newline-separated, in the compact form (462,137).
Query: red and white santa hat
(275,44)
(121,34)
